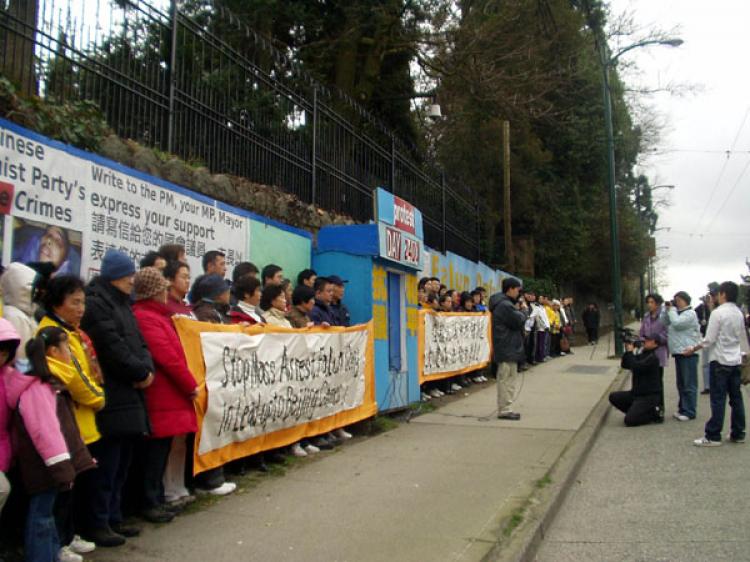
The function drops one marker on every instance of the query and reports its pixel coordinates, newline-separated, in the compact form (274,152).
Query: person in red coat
(169,400)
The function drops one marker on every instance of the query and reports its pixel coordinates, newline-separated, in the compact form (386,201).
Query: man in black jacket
(127,368)
(507,340)
(642,403)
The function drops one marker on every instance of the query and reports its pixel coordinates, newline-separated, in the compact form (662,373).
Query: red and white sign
(400,246)
(404,216)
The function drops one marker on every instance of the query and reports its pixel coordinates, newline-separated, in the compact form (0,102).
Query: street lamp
(609,60)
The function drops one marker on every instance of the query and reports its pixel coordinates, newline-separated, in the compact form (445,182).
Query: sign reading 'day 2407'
(399,230)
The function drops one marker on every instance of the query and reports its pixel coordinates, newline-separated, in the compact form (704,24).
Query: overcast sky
(709,216)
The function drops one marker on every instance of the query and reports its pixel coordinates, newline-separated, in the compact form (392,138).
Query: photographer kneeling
(642,403)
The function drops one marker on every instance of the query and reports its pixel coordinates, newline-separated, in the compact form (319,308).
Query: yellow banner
(262,388)
(452,343)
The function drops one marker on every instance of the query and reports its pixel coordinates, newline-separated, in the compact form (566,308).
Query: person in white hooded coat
(17,283)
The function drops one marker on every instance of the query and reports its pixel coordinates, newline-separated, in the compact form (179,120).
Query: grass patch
(420,408)
(544,482)
(515,520)
(381,424)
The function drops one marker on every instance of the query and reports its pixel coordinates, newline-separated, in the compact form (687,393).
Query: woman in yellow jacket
(64,304)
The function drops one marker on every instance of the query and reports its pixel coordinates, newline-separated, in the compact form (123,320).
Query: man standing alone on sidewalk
(726,341)
(507,339)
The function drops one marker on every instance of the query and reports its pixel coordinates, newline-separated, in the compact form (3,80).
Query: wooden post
(507,235)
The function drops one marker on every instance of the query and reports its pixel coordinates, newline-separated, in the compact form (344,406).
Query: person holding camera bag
(642,403)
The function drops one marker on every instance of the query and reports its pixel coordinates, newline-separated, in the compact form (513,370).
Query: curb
(543,504)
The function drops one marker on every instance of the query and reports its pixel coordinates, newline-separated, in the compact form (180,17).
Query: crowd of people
(96,397)
(548,330)
(717,328)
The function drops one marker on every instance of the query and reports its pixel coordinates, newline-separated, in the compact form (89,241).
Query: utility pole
(508,231)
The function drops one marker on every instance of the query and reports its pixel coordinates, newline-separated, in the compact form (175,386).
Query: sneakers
(311,449)
(67,555)
(225,489)
(425,397)
(105,538)
(321,443)
(680,417)
(298,451)
(737,439)
(80,546)
(435,393)
(342,434)
(157,515)
(456,387)
(515,416)
(705,391)
(704,442)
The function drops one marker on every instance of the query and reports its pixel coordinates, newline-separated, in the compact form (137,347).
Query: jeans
(113,455)
(725,380)
(40,538)
(687,384)
(507,383)
(541,338)
(706,370)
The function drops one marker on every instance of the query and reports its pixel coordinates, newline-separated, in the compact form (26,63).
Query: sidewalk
(441,487)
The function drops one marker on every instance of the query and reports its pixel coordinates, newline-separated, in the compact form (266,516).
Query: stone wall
(260,199)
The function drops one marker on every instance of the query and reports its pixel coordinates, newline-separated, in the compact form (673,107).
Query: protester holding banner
(507,338)
(339,309)
(169,400)
(273,302)
(178,275)
(321,314)
(214,262)
(246,291)
(210,299)
(303,301)
(127,368)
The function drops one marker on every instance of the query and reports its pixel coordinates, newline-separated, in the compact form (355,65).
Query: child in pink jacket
(9,340)
(48,446)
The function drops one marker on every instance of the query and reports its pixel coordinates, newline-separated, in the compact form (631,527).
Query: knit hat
(682,295)
(148,282)
(116,265)
(207,287)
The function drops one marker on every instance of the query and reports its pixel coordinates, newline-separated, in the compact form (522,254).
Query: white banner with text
(452,343)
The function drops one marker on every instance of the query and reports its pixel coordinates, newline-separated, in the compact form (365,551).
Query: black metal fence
(196,82)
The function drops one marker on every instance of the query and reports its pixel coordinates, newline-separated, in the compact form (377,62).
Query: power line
(723,168)
(728,197)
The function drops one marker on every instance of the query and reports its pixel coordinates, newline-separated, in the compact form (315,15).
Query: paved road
(437,488)
(648,494)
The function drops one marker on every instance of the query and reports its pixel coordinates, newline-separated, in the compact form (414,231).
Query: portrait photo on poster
(36,241)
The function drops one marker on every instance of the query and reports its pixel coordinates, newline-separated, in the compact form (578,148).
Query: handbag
(567,330)
(564,345)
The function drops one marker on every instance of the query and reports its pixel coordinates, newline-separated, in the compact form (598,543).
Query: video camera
(629,336)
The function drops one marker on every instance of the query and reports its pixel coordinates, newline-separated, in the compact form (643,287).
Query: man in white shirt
(726,341)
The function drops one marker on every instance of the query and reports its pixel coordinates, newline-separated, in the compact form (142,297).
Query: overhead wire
(723,168)
(727,198)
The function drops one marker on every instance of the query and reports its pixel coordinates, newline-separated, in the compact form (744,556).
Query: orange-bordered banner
(453,343)
(264,387)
